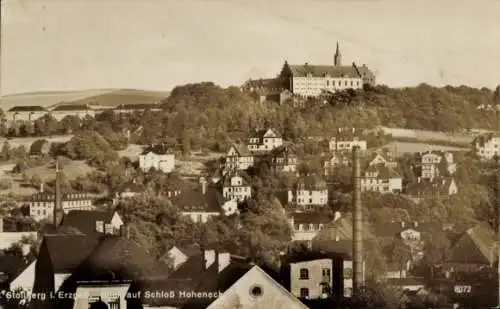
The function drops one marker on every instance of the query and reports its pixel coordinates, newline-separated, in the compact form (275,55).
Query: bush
(5,184)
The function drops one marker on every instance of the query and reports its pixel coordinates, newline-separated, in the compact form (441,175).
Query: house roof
(226,179)
(195,200)
(43,196)
(134,106)
(242,150)
(71,107)
(268,133)
(475,246)
(307,218)
(311,182)
(37,146)
(341,229)
(428,187)
(11,266)
(84,220)
(159,149)
(66,252)
(392,229)
(364,71)
(190,250)
(34,108)
(484,138)
(383,171)
(132,186)
(341,247)
(324,70)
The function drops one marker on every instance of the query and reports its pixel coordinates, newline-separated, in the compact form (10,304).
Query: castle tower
(58,210)
(338,56)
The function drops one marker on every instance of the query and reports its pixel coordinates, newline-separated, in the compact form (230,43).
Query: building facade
(25,113)
(284,160)
(264,140)
(239,158)
(436,163)
(77,110)
(235,187)
(381,179)
(345,139)
(41,205)
(486,146)
(309,192)
(157,157)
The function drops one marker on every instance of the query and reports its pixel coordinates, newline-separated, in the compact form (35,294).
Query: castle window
(304,274)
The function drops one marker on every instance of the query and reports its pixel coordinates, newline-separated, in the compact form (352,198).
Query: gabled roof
(85,220)
(71,107)
(428,187)
(268,133)
(324,70)
(196,201)
(43,196)
(383,171)
(159,149)
(475,246)
(241,150)
(341,229)
(307,218)
(66,252)
(311,182)
(34,108)
(132,186)
(226,179)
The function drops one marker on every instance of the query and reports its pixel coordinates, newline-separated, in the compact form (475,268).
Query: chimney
(58,211)
(1,224)
(41,187)
(357,223)
(125,231)
(203,183)
(210,257)
(223,259)
(403,224)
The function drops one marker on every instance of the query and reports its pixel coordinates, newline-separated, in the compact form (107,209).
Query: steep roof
(307,218)
(195,200)
(341,229)
(311,182)
(428,187)
(242,150)
(132,186)
(10,267)
(159,149)
(324,70)
(269,133)
(66,252)
(383,171)
(84,220)
(475,246)
(34,108)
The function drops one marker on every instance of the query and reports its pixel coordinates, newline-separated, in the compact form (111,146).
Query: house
(313,80)
(239,157)
(93,222)
(203,203)
(235,187)
(341,230)
(129,190)
(345,139)
(380,178)
(305,226)
(320,276)
(39,147)
(474,250)
(41,205)
(136,108)
(334,161)
(77,110)
(58,257)
(25,113)
(309,192)
(157,157)
(437,188)
(486,146)
(264,140)
(377,159)
(433,164)
(284,160)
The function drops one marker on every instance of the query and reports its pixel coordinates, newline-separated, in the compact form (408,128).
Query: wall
(7,239)
(25,280)
(104,291)
(315,277)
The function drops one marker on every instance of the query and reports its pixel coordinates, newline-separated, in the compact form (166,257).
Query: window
(325,289)
(256,291)
(99,226)
(326,272)
(304,274)
(114,303)
(304,293)
(108,229)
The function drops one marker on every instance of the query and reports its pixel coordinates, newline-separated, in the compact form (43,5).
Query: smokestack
(203,183)
(58,211)
(357,224)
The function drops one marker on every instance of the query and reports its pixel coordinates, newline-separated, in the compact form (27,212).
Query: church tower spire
(338,56)
(58,211)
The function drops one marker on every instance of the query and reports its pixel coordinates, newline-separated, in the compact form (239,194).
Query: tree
(436,249)
(5,153)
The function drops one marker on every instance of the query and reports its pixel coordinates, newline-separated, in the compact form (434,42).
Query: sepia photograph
(250,154)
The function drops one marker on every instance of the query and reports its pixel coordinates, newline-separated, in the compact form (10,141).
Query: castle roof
(324,70)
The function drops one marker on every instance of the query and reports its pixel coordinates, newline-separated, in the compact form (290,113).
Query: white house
(309,192)
(381,179)
(235,187)
(379,159)
(284,160)
(486,146)
(345,140)
(437,163)
(264,140)
(41,205)
(25,113)
(305,225)
(239,157)
(157,157)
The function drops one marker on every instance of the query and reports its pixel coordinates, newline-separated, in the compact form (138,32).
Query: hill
(123,96)
(99,96)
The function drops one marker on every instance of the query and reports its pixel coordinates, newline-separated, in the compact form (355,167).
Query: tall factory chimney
(58,211)
(357,232)
(497,223)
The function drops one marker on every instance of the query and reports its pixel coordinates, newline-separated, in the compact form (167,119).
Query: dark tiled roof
(427,187)
(71,107)
(342,247)
(37,146)
(159,149)
(306,217)
(132,186)
(68,251)
(311,182)
(260,134)
(195,200)
(85,220)
(383,171)
(324,70)
(364,71)
(27,109)
(475,246)
(242,150)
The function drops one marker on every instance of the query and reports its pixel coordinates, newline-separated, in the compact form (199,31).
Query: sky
(49,45)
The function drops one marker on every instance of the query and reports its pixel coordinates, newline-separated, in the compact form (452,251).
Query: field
(194,165)
(428,135)
(398,148)
(104,97)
